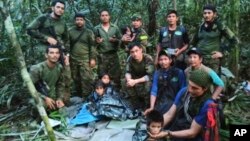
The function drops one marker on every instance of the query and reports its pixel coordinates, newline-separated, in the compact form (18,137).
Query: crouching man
(52,80)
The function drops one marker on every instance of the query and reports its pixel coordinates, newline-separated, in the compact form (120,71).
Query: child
(109,87)
(98,93)
(154,124)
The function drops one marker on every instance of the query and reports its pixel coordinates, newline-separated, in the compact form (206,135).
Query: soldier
(83,56)
(138,34)
(208,37)
(138,77)
(55,78)
(167,81)
(107,37)
(174,38)
(49,29)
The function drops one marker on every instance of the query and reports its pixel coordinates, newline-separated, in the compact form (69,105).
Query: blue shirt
(201,117)
(180,78)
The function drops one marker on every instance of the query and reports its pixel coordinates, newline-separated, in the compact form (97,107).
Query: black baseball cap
(164,52)
(194,50)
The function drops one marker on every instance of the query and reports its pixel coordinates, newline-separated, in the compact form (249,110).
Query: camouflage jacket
(45,26)
(83,49)
(58,79)
(140,69)
(209,40)
(107,46)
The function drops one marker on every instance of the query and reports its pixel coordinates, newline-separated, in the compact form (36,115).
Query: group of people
(183,95)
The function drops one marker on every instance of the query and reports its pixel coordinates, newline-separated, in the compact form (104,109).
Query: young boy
(98,93)
(154,127)
(154,124)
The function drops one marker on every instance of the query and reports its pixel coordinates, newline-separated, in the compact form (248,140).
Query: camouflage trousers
(138,95)
(83,78)
(123,55)
(212,63)
(110,64)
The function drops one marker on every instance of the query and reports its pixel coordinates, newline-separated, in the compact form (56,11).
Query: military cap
(136,17)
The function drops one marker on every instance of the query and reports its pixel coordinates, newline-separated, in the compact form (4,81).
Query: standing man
(52,79)
(107,37)
(138,33)
(195,60)
(208,38)
(167,81)
(83,56)
(173,38)
(49,29)
(138,76)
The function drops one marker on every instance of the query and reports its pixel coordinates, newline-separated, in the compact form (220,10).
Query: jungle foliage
(13,92)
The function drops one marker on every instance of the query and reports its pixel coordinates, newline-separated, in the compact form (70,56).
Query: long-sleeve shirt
(107,46)
(57,78)
(45,26)
(84,48)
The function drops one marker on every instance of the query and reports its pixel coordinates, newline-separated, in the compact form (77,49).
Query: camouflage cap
(200,78)
(136,17)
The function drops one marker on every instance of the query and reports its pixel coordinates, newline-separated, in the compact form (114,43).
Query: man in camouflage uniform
(107,36)
(138,33)
(83,56)
(138,77)
(55,77)
(49,29)
(208,38)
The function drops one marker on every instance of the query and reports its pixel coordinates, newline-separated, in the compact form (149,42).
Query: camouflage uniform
(139,94)
(108,60)
(209,40)
(42,28)
(81,52)
(58,80)
(140,36)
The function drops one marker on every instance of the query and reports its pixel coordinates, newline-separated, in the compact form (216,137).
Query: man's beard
(56,15)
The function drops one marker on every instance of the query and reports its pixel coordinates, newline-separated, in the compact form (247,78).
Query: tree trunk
(233,20)
(22,66)
(152,9)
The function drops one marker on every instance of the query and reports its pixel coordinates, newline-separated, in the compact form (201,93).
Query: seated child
(98,93)
(105,101)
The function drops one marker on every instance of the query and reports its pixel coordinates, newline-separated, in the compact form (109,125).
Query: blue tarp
(83,116)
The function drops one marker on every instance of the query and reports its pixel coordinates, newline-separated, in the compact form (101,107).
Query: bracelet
(169,135)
